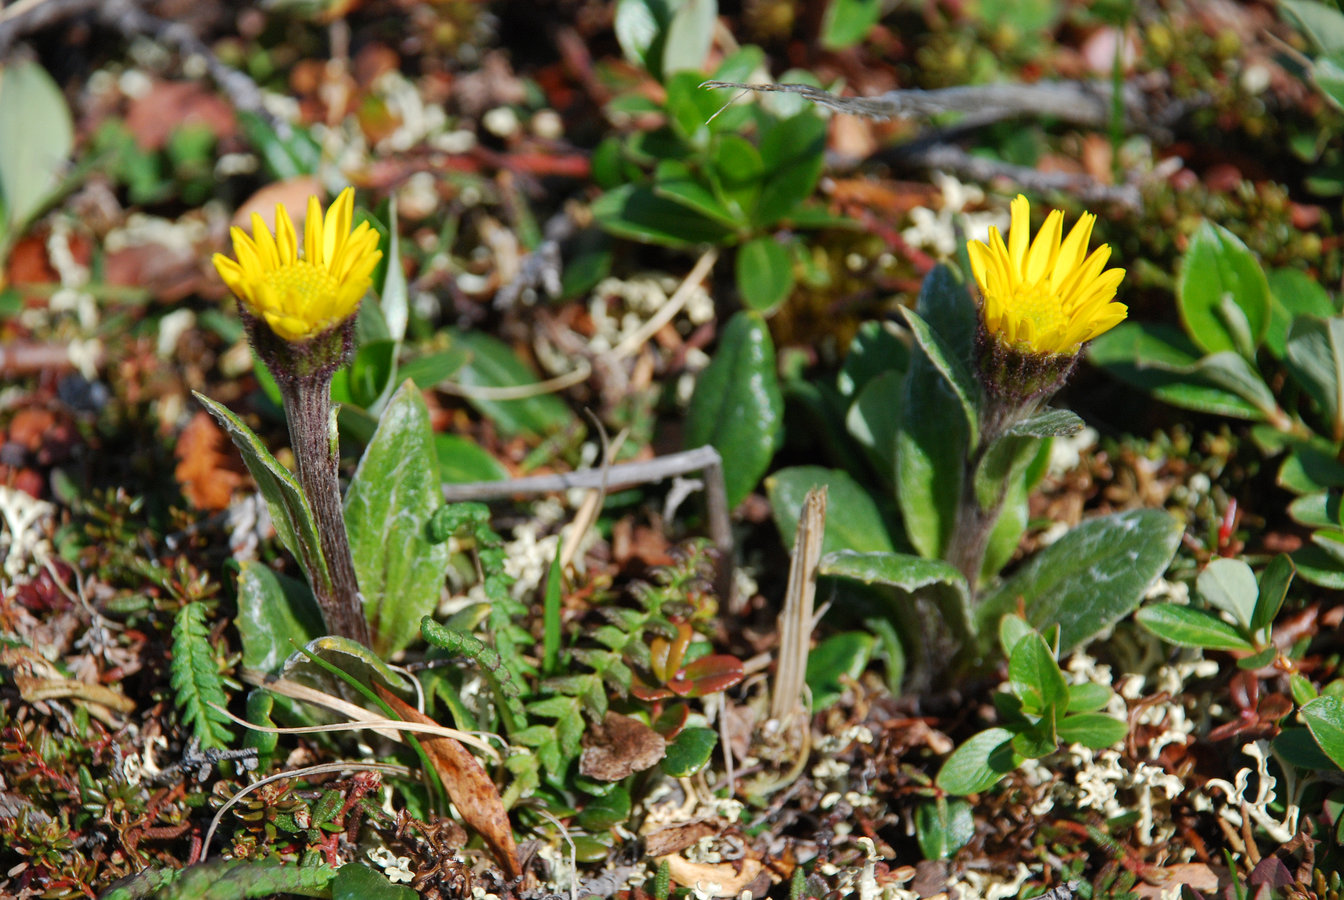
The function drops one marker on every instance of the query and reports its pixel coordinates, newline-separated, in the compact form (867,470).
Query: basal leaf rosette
(1041,300)
(295,305)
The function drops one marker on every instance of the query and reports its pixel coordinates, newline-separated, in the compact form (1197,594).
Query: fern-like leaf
(196,680)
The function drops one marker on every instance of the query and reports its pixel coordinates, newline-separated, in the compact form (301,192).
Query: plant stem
(307,402)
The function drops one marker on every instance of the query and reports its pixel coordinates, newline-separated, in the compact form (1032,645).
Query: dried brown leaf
(207,474)
(620,747)
(469,787)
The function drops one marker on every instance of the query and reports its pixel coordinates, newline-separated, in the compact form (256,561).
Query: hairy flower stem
(307,402)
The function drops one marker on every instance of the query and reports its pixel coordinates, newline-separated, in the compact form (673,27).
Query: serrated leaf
(196,680)
(737,407)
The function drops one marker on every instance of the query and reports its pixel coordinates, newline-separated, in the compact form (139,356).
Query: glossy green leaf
(462,461)
(1315,358)
(673,180)
(737,407)
(933,578)
(391,497)
(606,811)
(1218,268)
(355,881)
(793,151)
(764,273)
(1325,719)
(1091,577)
(736,172)
(1088,697)
(290,513)
(1040,738)
(1318,567)
(943,827)
(638,26)
(1229,585)
(873,416)
(493,364)
(1095,730)
(690,752)
(1226,371)
(978,764)
(854,521)
(875,350)
(1274,582)
(1034,675)
(1297,747)
(40,135)
(276,614)
(639,213)
(1186,626)
(840,658)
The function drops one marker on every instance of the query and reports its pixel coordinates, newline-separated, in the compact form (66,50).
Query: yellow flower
(302,297)
(1046,298)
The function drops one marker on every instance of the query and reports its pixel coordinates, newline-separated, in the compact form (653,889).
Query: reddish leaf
(206,469)
(469,787)
(707,675)
(671,720)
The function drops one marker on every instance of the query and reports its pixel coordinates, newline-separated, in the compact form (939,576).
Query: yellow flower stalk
(1045,296)
(300,297)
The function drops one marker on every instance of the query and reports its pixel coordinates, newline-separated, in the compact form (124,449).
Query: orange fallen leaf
(469,787)
(207,473)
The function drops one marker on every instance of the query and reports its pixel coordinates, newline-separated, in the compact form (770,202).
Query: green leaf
(1229,585)
(1315,359)
(638,26)
(1185,626)
(493,364)
(1095,730)
(1091,577)
(853,520)
(1160,359)
(1274,582)
(196,680)
(1293,293)
(41,135)
(1040,738)
(1318,567)
(690,752)
(673,180)
(945,360)
(938,580)
(1034,675)
(1048,423)
(639,213)
(845,23)
(943,827)
(793,152)
(1088,697)
(1229,372)
(1217,267)
(462,461)
(1321,22)
(354,881)
(1298,748)
(606,811)
(737,407)
(689,35)
(1325,719)
(978,764)
(290,513)
(840,657)
(932,439)
(275,615)
(391,497)
(874,351)
(873,416)
(736,171)
(764,273)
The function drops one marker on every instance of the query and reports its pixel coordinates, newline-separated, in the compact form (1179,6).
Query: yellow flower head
(302,297)
(1046,297)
